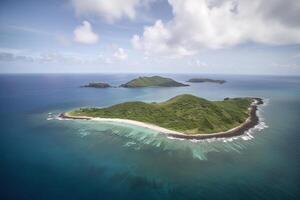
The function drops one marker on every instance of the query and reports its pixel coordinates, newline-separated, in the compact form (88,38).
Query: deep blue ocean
(42,157)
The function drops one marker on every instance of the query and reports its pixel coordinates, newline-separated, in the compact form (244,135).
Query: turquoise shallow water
(46,158)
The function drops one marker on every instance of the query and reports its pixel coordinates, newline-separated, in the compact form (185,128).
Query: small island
(205,80)
(97,85)
(153,81)
(184,116)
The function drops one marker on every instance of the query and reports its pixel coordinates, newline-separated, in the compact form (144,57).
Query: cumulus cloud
(215,24)
(84,34)
(120,54)
(110,10)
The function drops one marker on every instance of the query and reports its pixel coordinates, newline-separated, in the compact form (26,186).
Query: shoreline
(249,123)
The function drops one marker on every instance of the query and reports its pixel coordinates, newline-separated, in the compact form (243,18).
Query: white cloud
(40,58)
(11,55)
(155,40)
(215,24)
(120,54)
(200,63)
(84,34)
(197,63)
(110,10)
(13,51)
(51,57)
(60,58)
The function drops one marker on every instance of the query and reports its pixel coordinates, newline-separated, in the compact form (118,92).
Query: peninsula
(205,80)
(152,81)
(97,85)
(184,116)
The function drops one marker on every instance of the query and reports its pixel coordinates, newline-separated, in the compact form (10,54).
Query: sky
(150,36)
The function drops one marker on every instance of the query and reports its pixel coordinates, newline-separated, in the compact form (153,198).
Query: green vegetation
(184,113)
(152,81)
(203,80)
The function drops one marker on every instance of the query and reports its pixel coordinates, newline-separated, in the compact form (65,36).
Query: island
(97,85)
(152,81)
(205,80)
(184,116)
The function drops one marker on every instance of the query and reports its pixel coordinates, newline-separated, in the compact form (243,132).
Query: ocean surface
(44,157)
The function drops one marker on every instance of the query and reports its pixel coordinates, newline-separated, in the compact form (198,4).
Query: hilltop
(153,81)
(184,113)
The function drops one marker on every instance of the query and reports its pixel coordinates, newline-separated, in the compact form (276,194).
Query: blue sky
(150,36)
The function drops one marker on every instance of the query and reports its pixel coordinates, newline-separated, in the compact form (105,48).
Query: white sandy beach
(138,123)
(161,129)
